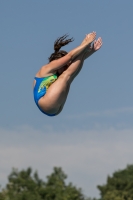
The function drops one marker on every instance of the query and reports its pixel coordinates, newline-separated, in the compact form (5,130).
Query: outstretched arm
(57,64)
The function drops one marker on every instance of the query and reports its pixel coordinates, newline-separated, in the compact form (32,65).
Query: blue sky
(92,137)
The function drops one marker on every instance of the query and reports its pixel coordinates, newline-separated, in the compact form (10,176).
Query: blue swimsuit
(41,87)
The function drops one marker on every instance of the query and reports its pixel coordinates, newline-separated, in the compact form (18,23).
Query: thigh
(56,95)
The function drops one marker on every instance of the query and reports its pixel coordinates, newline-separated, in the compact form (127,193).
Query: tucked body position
(52,81)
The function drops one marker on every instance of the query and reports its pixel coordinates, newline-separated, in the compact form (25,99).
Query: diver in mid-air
(52,82)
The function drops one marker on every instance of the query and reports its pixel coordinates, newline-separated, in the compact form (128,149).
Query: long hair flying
(61,41)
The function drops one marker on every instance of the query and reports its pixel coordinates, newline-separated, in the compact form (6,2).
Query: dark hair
(57,46)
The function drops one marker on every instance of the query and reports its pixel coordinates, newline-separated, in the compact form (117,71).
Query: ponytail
(61,41)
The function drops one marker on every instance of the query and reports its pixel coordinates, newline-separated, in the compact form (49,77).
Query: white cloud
(87,157)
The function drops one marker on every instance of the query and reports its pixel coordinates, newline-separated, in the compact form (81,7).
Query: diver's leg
(75,67)
(56,95)
(54,100)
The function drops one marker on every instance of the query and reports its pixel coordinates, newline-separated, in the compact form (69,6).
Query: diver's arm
(57,64)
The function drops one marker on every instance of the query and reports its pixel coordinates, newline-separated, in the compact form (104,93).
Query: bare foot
(97,44)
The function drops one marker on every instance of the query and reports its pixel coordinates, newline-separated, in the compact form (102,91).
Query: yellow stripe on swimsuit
(46,82)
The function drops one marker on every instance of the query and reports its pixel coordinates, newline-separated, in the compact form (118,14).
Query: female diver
(52,81)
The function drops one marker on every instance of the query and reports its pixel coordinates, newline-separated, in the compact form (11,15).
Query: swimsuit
(41,87)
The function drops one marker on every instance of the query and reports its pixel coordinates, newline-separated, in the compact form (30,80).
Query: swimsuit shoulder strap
(37,78)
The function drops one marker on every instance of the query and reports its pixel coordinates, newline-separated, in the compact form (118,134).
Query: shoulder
(44,71)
